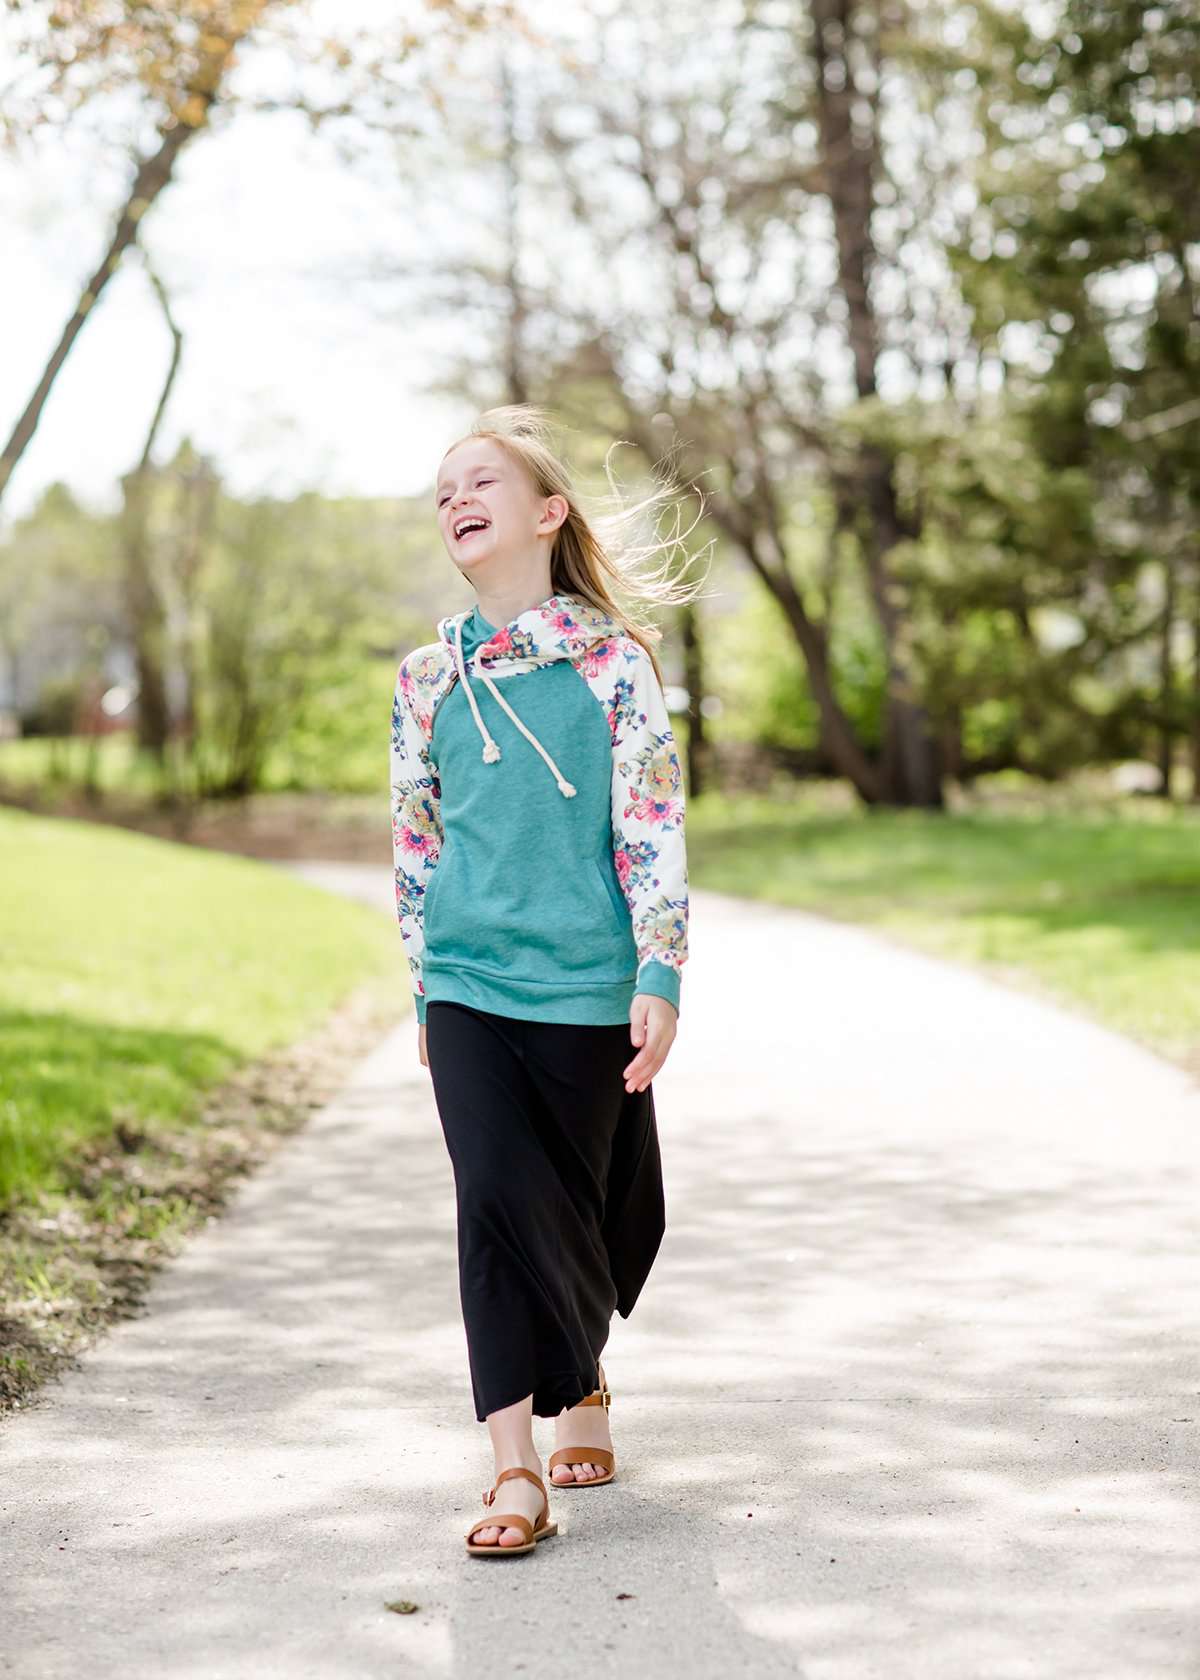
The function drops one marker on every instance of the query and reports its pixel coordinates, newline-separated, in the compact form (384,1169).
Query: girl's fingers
(644,1056)
(652,1053)
(645,1064)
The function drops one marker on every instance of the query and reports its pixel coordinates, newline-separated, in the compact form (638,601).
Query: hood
(561,627)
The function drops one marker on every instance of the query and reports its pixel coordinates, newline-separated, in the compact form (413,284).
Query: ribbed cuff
(419,1002)
(659,980)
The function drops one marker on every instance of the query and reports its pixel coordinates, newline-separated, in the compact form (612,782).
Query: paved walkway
(912,1391)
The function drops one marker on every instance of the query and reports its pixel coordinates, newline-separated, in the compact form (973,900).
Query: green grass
(137,973)
(303,758)
(1097,907)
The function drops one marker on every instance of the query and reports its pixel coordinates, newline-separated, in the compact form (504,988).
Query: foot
(581,1427)
(519,1497)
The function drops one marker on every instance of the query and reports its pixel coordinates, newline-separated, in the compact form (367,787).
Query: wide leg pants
(558,1180)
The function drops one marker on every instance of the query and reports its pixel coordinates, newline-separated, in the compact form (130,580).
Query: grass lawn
(138,972)
(61,761)
(1097,906)
(167,1015)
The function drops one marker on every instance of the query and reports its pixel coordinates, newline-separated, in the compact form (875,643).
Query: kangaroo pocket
(612,891)
(520,915)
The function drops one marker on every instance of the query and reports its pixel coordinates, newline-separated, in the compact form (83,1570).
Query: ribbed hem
(659,980)
(605,1005)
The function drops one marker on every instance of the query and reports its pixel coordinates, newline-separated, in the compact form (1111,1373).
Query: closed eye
(442,500)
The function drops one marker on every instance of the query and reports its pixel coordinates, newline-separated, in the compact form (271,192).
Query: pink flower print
(647,809)
(656,797)
(500,643)
(624,865)
(413,843)
(415,827)
(634,862)
(623,708)
(598,658)
(420,845)
(409,893)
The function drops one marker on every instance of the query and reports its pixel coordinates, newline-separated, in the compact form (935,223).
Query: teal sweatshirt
(538,818)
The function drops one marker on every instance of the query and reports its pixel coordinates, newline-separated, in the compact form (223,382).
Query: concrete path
(912,1391)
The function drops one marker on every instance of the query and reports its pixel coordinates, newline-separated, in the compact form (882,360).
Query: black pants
(558,1180)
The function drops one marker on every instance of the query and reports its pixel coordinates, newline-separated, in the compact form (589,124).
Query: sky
(301,367)
(297,370)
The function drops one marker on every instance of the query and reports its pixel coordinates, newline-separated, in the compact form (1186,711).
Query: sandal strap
(582,1455)
(505,1519)
(520,1470)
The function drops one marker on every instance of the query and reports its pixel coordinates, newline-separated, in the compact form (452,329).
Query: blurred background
(910,292)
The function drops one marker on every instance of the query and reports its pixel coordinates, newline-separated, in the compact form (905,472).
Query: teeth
(470,525)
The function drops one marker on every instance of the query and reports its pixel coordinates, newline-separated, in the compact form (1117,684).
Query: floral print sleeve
(647,822)
(416,813)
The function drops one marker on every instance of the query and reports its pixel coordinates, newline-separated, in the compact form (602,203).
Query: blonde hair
(608,558)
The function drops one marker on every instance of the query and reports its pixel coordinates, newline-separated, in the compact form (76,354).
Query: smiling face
(488,508)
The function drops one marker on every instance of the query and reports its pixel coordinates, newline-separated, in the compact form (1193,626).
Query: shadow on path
(911,1392)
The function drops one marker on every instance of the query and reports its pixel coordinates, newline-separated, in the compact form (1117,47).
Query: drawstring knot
(491,751)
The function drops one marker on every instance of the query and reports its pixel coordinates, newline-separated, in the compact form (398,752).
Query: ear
(554,513)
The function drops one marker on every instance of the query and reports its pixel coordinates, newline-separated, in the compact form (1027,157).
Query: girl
(541,887)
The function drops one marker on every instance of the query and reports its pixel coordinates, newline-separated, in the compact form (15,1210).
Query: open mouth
(470,527)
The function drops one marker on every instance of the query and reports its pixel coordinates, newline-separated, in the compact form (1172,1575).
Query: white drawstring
(491,752)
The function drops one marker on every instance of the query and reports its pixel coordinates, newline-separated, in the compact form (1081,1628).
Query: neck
(501,603)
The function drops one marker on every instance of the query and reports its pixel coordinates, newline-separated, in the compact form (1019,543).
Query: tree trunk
(951,738)
(197,519)
(515,314)
(837,732)
(1166,683)
(154,173)
(753,537)
(693,680)
(845,750)
(146,616)
(143,601)
(848,129)
(13,650)
(1194,740)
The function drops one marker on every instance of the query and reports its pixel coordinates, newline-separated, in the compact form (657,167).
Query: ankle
(526,1458)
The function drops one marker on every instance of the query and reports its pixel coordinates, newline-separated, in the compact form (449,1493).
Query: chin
(469,564)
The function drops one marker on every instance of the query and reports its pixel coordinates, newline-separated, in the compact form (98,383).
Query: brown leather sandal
(512,1519)
(588,1455)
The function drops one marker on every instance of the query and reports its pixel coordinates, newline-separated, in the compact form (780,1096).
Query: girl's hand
(421,1046)
(652,1028)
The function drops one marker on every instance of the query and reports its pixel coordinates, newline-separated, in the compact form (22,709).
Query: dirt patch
(71,1268)
(321,827)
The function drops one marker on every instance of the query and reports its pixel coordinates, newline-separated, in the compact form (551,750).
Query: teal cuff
(659,980)
(420,1003)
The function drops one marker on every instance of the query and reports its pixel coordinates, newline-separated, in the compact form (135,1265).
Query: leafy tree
(1080,261)
(177,62)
